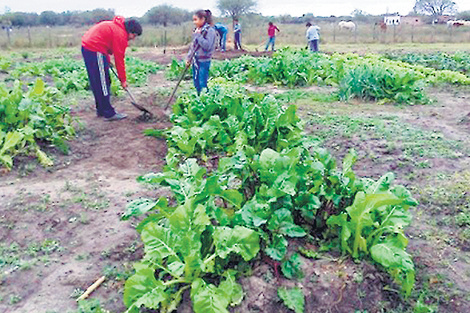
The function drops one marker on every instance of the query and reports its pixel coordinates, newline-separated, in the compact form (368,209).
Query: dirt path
(156,54)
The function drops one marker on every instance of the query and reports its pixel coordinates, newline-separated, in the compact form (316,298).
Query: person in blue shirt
(237,29)
(222,31)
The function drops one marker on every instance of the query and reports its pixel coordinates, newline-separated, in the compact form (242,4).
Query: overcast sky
(266,7)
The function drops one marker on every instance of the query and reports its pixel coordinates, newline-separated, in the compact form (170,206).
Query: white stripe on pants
(104,85)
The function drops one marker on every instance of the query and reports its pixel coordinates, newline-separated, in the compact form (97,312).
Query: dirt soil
(180,53)
(85,194)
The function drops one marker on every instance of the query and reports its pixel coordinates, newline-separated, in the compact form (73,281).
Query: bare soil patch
(77,204)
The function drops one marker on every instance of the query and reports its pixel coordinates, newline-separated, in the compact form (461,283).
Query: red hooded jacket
(109,37)
(272,30)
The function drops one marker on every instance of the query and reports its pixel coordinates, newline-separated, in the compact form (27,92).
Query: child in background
(202,47)
(272,35)
(313,36)
(237,29)
(222,30)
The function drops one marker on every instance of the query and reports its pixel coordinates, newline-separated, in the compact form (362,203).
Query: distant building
(443,19)
(391,20)
(412,20)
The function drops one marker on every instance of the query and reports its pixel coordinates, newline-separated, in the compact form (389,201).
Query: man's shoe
(116,117)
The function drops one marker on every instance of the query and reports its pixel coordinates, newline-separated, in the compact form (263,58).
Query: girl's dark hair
(205,14)
(308,24)
(133,27)
(270,23)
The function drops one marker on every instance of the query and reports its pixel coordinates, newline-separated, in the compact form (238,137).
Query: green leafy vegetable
(30,119)
(293,298)
(244,179)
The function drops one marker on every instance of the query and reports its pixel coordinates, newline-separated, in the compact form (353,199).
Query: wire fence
(253,34)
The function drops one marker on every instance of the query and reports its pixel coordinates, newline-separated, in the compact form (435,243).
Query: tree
(235,8)
(464,15)
(22,18)
(361,15)
(99,15)
(435,7)
(358,12)
(166,14)
(49,18)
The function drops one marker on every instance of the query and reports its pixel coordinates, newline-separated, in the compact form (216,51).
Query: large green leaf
(11,140)
(207,298)
(189,217)
(391,255)
(141,206)
(239,240)
(282,222)
(142,289)
(159,242)
(254,213)
(360,213)
(277,247)
(232,290)
(38,88)
(43,159)
(291,268)
(6,160)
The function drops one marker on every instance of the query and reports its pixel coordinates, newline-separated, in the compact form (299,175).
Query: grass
(13,257)
(93,198)
(119,272)
(294,95)
(384,138)
(449,192)
(447,199)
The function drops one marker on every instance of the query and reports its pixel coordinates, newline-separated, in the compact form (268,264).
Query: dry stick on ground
(92,288)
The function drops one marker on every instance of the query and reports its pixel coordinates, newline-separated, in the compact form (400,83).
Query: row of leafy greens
(370,77)
(35,118)
(245,179)
(31,119)
(69,74)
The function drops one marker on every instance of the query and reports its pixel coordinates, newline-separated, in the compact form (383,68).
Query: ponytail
(206,15)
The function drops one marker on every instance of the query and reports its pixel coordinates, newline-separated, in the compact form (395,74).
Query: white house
(391,20)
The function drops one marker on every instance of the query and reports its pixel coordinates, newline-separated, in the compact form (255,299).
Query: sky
(266,7)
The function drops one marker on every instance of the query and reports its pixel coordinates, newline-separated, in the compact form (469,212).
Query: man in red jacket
(98,43)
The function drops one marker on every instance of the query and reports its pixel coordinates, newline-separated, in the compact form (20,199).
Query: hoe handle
(188,64)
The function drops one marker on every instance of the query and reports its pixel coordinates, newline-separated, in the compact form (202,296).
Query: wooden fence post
(50,36)
(7,29)
(355,34)
(29,37)
(394,33)
(164,43)
(334,32)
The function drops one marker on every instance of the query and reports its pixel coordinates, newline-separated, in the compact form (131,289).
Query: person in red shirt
(272,35)
(99,42)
